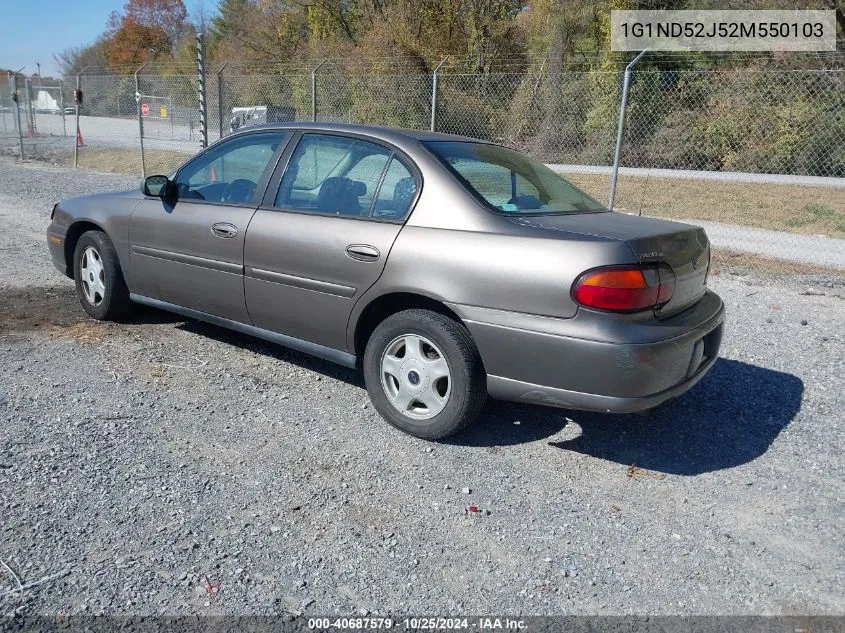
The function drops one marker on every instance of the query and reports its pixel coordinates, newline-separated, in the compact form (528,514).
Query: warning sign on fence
(155,106)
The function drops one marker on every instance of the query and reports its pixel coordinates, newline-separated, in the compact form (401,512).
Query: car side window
(499,185)
(397,192)
(494,180)
(229,172)
(334,175)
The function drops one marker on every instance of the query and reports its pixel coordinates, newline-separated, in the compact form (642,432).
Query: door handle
(363,252)
(224,229)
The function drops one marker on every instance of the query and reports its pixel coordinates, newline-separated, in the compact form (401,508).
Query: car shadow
(279,352)
(730,418)
(146,315)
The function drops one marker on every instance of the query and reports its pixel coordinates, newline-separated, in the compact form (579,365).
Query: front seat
(339,195)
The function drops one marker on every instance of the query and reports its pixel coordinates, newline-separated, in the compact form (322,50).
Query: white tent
(45,102)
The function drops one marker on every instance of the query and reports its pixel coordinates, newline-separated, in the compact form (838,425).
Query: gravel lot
(149,458)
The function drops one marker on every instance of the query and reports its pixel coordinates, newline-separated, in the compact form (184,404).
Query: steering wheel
(239,190)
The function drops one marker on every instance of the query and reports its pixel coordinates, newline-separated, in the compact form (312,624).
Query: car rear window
(511,182)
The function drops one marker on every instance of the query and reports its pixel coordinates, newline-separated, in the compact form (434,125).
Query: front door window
(229,173)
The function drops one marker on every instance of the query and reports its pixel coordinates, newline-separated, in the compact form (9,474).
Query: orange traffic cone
(79,141)
(213,174)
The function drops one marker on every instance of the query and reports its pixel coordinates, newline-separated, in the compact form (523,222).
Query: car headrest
(404,189)
(357,188)
(332,187)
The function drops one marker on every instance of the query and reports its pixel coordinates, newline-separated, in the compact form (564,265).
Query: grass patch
(819,210)
(791,208)
(728,262)
(127,161)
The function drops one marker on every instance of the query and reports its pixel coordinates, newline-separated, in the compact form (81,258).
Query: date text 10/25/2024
(417,624)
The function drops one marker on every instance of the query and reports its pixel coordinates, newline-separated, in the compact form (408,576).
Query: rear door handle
(224,229)
(363,252)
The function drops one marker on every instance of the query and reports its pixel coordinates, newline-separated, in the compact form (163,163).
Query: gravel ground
(146,459)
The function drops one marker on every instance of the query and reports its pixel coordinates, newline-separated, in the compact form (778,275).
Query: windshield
(511,182)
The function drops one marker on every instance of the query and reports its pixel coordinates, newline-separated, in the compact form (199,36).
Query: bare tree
(71,60)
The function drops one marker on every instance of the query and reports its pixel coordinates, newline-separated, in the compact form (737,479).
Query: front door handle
(363,252)
(224,229)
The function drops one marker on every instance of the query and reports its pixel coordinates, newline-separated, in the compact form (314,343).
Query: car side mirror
(156,186)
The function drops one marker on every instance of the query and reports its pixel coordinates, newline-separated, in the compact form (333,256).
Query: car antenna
(645,188)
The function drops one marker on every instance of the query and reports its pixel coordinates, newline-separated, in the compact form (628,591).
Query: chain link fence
(19,117)
(8,120)
(755,155)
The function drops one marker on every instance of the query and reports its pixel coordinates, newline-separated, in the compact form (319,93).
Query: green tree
(229,23)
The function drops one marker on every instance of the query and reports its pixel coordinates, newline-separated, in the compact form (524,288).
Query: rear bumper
(518,391)
(597,362)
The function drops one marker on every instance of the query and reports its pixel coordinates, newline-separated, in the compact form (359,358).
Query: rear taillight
(625,288)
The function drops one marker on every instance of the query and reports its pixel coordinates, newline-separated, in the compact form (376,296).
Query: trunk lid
(685,248)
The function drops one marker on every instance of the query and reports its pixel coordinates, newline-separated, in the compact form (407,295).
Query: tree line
(536,74)
(479,33)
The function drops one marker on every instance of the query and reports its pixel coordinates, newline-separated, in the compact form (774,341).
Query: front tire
(99,280)
(424,374)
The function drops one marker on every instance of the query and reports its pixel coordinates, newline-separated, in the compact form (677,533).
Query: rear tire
(424,374)
(99,280)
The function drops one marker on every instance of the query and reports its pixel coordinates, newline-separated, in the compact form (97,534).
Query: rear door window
(332,175)
(398,191)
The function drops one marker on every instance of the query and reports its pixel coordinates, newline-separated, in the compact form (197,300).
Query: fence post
(140,119)
(76,100)
(617,155)
(62,106)
(201,84)
(29,114)
(9,86)
(220,99)
(31,126)
(17,101)
(31,108)
(314,90)
(434,83)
